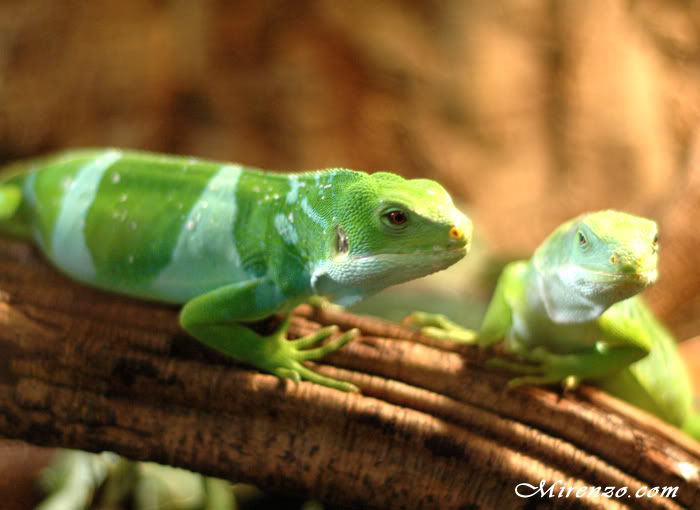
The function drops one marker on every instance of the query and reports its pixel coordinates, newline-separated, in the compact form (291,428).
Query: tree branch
(433,428)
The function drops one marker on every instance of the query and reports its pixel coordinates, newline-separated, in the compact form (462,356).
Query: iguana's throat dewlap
(592,262)
(573,294)
(348,279)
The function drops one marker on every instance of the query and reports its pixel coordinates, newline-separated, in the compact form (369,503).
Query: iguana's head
(388,230)
(601,257)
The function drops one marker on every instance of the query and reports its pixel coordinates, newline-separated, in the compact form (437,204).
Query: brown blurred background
(528,111)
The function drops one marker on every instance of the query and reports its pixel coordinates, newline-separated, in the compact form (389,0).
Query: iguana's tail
(11,184)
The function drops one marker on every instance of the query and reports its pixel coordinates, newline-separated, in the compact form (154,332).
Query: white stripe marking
(293,192)
(68,247)
(286,229)
(311,213)
(205,256)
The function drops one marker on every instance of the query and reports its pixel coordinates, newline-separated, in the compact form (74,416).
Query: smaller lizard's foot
(543,368)
(535,373)
(283,357)
(438,326)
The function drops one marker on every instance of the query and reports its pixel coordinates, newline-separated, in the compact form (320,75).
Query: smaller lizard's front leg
(496,323)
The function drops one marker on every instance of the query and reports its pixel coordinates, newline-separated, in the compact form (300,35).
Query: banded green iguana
(233,244)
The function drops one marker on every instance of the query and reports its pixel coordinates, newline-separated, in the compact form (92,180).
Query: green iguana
(572,313)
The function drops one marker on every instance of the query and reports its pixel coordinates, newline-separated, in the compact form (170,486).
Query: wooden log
(433,428)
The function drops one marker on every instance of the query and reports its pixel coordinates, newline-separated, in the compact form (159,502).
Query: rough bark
(432,428)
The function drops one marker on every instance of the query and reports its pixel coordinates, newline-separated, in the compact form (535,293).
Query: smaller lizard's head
(605,256)
(389,230)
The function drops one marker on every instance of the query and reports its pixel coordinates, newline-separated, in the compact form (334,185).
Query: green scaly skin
(572,313)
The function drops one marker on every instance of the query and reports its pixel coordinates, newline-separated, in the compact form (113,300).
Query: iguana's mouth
(429,253)
(646,276)
(380,270)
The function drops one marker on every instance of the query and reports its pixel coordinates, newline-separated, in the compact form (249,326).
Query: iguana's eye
(396,217)
(655,243)
(581,238)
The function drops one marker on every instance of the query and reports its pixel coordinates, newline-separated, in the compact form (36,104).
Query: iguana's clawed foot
(438,326)
(535,375)
(544,369)
(283,357)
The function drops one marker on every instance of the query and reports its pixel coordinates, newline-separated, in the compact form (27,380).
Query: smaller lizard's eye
(581,238)
(655,243)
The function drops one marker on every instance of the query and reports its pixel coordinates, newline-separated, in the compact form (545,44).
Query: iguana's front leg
(496,324)
(215,319)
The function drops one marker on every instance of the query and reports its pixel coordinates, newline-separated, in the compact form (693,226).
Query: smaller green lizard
(572,313)
(233,244)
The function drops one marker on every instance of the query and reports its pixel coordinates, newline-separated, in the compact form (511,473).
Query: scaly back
(171,228)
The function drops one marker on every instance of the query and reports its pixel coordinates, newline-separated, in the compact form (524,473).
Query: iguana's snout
(640,268)
(461,232)
(638,259)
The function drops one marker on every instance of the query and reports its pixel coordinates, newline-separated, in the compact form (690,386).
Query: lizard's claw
(283,357)
(287,373)
(543,370)
(438,326)
(536,374)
